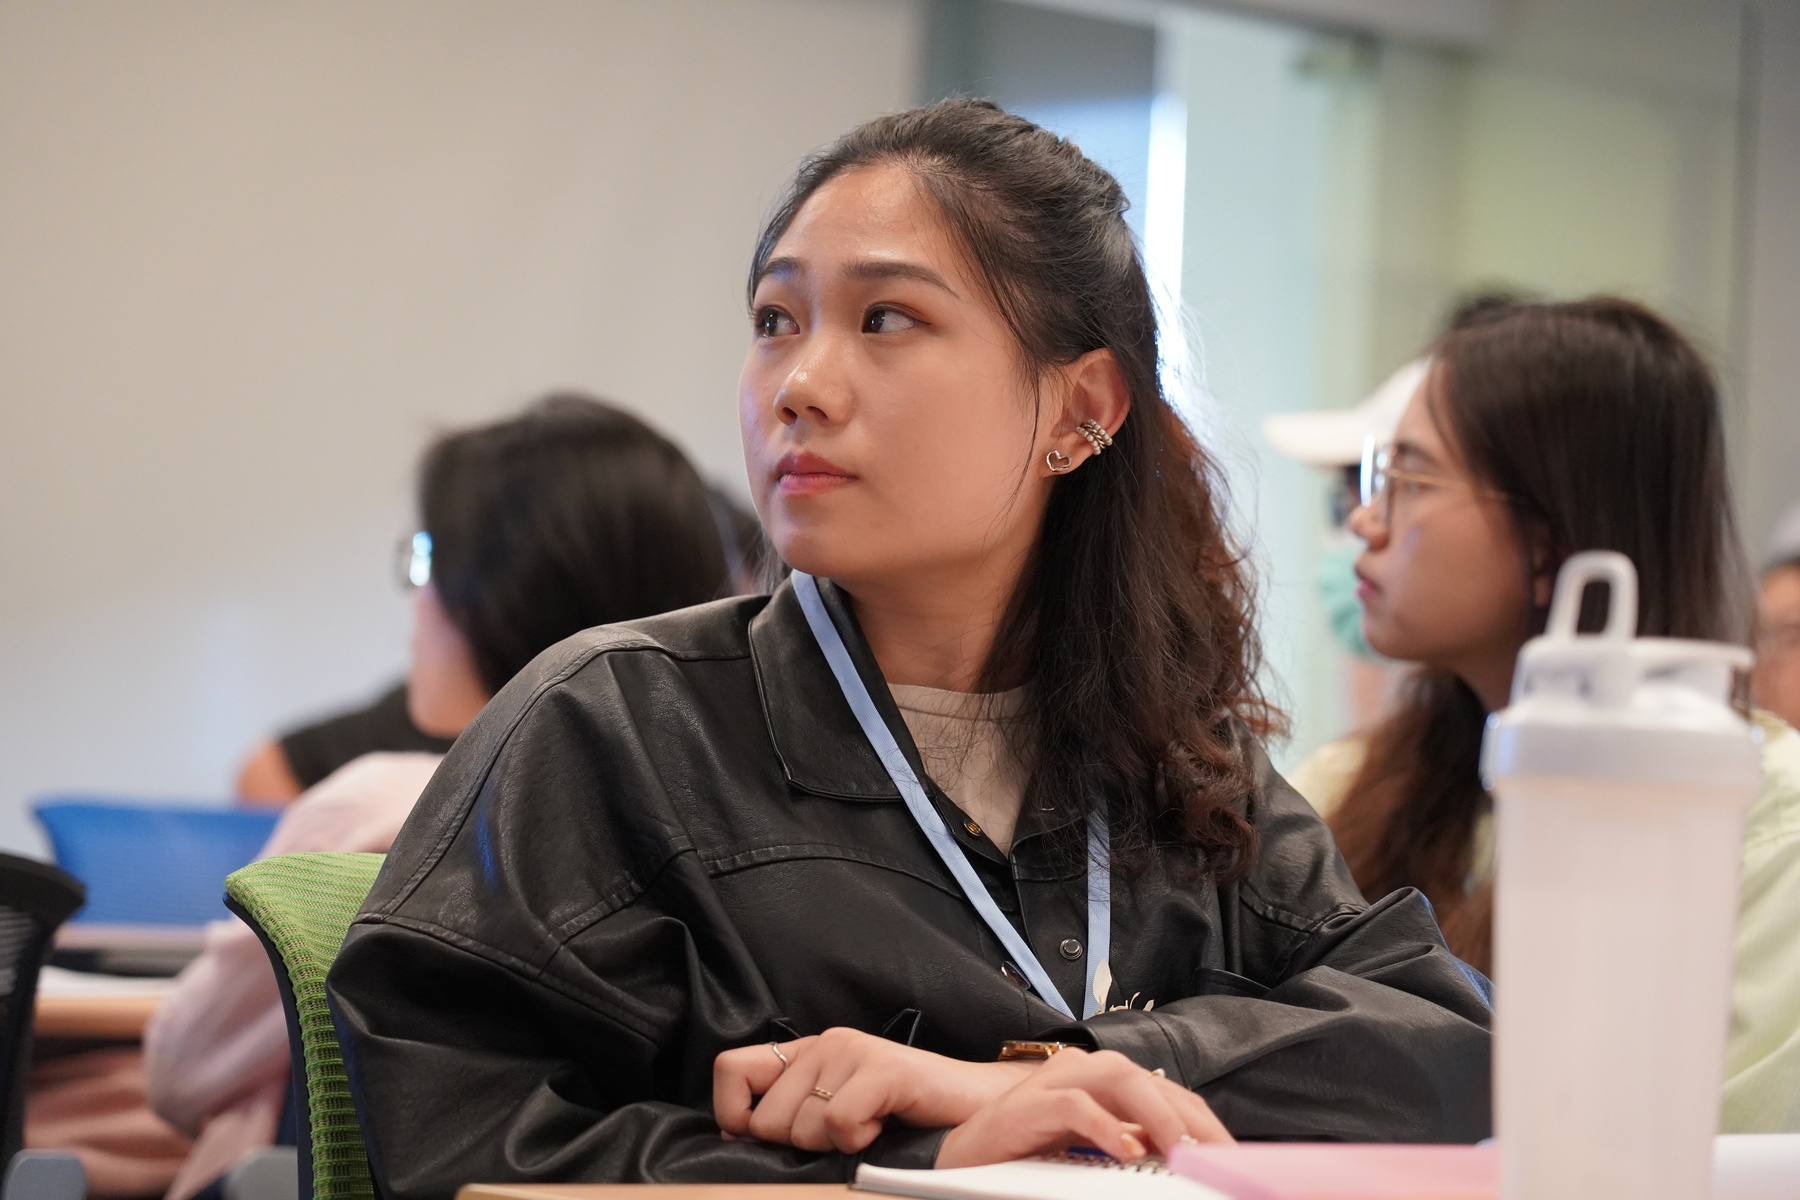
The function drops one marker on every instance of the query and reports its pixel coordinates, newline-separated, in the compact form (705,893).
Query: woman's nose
(1366,523)
(816,389)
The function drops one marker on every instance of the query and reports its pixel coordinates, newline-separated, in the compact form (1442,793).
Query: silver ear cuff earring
(1096,435)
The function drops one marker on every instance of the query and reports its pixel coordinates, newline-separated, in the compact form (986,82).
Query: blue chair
(151,865)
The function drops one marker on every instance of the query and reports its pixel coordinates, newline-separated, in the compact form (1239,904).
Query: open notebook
(1270,1171)
(1076,1175)
(1746,1167)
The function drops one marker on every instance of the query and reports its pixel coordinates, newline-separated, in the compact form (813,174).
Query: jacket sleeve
(1342,1020)
(538,985)
(465,1072)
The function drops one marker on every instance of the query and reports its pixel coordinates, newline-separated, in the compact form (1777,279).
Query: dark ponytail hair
(1132,619)
(1600,423)
(569,515)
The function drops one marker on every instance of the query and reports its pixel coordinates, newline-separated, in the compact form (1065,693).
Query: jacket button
(1071,949)
(972,827)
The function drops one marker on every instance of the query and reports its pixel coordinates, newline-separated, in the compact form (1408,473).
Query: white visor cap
(1334,437)
(1784,543)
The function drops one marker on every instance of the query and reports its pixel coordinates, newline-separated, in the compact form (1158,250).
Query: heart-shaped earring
(1058,462)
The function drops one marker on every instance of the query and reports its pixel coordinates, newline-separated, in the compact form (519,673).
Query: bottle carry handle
(1606,667)
(1595,566)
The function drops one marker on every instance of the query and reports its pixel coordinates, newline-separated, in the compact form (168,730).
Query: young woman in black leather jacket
(732,852)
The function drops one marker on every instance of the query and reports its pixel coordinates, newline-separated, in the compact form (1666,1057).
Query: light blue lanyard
(1099,871)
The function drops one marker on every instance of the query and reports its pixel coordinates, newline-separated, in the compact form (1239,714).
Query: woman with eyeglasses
(570,515)
(1776,684)
(961,845)
(1543,430)
(598,478)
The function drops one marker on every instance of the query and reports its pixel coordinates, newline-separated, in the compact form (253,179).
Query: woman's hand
(868,1079)
(1102,1099)
(998,1111)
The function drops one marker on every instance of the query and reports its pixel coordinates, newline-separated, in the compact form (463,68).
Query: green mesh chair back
(301,905)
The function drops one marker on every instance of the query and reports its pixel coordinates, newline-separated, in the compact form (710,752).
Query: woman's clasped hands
(834,1091)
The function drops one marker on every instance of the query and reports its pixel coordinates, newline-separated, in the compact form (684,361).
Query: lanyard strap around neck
(931,822)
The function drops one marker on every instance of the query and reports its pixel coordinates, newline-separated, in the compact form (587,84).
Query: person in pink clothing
(216,1053)
(571,515)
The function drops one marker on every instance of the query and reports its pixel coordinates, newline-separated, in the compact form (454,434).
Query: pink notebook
(1342,1171)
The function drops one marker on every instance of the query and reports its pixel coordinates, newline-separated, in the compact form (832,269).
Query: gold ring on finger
(1159,1072)
(822,1094)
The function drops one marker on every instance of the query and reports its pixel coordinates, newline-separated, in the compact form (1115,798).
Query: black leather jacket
(670,838)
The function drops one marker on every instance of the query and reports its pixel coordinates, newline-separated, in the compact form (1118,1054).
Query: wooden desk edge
(94,1016)
(652,1191)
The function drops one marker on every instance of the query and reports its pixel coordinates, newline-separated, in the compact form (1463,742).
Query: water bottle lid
(1609,705)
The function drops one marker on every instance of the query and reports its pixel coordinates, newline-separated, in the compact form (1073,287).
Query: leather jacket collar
(821,747)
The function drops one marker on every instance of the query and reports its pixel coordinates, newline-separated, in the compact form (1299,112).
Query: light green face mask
(1337,594)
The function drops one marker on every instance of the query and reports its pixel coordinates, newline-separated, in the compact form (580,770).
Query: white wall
(1769,445)
(1274,149)
(253,255)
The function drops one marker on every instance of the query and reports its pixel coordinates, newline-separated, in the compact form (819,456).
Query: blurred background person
(1776,683)
(1542,430)
(570,515)
(280,769)
(1334,440)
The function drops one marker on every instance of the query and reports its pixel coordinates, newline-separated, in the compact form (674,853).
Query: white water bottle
(1620,776)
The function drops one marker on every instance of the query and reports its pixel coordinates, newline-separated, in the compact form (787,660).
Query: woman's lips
(1366,588)
(809,475)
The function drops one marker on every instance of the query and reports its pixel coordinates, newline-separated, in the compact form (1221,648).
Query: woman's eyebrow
(780,268)
(1412,452)
(865,270)
(877,269)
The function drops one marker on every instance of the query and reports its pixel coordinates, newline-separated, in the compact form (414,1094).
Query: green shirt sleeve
(1762,1056)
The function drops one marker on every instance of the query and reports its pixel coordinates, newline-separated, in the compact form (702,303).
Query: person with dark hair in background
(570,515)
(1777,679)
(983,779)
(280,769)
(510,560)
(1333,439)
(1540,431)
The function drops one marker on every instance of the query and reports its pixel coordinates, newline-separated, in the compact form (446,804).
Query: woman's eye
(887,320)
(772,322)
(1410,487)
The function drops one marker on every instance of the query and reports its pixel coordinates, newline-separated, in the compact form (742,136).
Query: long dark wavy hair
(1132,618)
(1600,424)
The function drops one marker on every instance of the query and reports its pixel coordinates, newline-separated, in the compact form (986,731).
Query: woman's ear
(1544,564)
(1543,588)
(1093,390)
